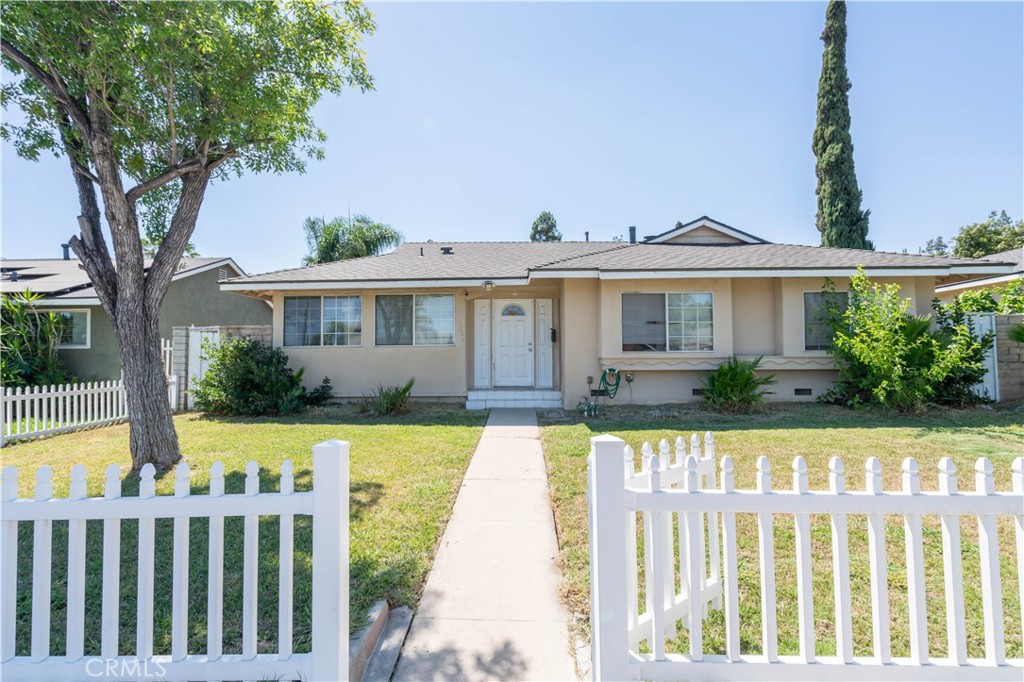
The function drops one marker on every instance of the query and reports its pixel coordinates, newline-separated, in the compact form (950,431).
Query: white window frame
(803,319)
(665,295)
(455,317)
(88,329)
(362,332)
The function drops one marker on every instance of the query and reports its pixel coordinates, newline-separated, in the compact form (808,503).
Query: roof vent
(14,275)
(632,234)
(67,251)
(447,250)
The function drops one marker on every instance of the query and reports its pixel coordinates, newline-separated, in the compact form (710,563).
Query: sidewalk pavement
(490,609)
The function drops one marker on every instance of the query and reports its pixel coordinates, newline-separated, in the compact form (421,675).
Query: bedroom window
(323,321)
(672,322)
(817,332)
(415,320)
(74,331)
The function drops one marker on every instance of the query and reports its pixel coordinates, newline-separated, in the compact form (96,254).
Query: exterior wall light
(488,285)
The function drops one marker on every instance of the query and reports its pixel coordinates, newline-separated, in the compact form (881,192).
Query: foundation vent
(802,391)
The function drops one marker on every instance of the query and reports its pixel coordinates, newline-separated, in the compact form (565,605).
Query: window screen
(643,322)
(302,321)
(74,328)
(817,332)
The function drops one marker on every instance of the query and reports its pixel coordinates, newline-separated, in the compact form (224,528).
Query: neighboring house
(89,347)
(536,324)
(949,290)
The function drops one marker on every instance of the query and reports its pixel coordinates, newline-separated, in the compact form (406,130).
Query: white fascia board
(711,224)
(370,284)
(981,282)
(66,302)
(763,272)
(180,274)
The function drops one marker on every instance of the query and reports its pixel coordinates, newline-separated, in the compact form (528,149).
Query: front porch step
(484,399)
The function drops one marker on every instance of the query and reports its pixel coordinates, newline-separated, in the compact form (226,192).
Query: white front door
(513,342)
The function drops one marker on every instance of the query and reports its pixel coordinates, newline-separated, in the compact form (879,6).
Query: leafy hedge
(249,377)
(901,361)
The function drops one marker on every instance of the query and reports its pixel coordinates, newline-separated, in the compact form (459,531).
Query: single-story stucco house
(949,290)
(89,347)
(536,324)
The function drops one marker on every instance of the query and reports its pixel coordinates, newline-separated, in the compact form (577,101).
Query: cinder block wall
(260,332)
(1009,359)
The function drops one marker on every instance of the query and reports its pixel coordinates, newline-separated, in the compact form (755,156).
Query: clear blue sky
(612,115)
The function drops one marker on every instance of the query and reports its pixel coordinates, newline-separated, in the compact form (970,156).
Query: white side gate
(327,503)
(985,323)
(617,625)
(198,363)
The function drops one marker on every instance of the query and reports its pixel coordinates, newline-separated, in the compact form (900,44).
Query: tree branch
(52,82)
(183,223)
(192,165)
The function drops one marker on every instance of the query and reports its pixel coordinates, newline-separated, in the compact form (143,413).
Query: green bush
(735,386)
(887,356)
(1004,300)
(958,387)
(29,340)
(388,399)
(249,377)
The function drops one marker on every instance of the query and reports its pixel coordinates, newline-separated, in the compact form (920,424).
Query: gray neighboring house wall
(194,298)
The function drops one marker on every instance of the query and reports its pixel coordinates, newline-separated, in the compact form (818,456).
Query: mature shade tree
(341,239)
(149,102)
(998,233)
(840,219)
(545,229)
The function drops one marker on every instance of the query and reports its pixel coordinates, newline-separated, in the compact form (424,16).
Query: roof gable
(704,230)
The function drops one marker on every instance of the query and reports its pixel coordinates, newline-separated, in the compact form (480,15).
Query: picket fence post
(608,604)
(330,559)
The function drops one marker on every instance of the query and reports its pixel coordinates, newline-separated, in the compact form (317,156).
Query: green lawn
(405,474)
(817,432)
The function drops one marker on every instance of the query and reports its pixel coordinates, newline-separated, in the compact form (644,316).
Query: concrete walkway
(490,608)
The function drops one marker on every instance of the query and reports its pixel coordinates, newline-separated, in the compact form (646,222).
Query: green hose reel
(610,380)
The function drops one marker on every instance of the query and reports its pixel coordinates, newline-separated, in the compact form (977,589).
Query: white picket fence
(34,411)
(683,490)
(166,355)
(327,503)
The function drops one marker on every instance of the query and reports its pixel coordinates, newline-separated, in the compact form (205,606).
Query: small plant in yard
(249,377)
(735,386)
(1016,332)
(388,399)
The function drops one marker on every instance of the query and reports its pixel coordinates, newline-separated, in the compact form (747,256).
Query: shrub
(958,387)
(29,340)
(888,356)
(249,377)
(735,386)
(388,399)
(1016,332)
(1004,300)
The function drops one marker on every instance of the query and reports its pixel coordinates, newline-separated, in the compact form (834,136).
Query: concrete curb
(362,644)
(385,657)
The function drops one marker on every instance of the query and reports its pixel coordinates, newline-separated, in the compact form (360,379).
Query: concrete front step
(483,399)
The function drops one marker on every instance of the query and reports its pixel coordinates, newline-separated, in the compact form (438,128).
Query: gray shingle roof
(516,260)
(468,260)
(751,257)
(56,277)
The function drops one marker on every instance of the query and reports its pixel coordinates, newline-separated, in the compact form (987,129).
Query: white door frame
(528,305)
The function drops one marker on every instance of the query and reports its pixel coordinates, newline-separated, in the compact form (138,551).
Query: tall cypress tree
(841,221)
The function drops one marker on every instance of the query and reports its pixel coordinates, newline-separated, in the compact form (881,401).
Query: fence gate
(197,362)
(985,323)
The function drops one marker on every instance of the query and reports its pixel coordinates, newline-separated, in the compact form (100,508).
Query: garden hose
(610,386)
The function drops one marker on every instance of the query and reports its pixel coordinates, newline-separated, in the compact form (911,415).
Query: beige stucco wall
(755,316)
(704,235)
(440,371)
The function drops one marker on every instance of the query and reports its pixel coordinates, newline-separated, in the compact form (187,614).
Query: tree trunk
(152,435)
